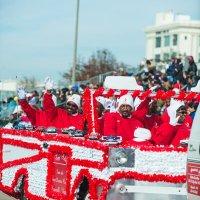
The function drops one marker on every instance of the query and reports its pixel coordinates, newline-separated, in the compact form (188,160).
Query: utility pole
(75,45)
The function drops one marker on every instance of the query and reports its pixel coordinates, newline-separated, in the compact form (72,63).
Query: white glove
(21,93)
(184,141)
(71,128)
(49,84)
(174,121)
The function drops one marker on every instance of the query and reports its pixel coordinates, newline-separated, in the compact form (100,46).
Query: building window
(166,57)
(158,42)
(166,40)
(157,57)
(175,39)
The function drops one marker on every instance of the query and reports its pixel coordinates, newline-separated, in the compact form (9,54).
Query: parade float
(52,164)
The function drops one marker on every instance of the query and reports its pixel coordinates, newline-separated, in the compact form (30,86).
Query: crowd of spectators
(175,73)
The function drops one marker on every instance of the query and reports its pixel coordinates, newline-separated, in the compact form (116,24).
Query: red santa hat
(142,134)
(75,98)
(126,99)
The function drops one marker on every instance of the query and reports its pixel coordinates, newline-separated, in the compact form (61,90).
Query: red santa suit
(164,134)
(167,134)
(151,121)
(165,119)
(141,110)
(170,132)
(65,120)
(51,115)
(141,113)
(183,133)
(116,125)
(61,118)
(37,117)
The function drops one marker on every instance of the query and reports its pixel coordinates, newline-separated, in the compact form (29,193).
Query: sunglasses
(182,112)
(71,105)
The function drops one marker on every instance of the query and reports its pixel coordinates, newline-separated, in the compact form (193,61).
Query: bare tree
(100,62)
(28,82)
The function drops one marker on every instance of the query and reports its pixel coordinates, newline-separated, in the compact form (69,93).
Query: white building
(173,35)
(8,88)
(8,85)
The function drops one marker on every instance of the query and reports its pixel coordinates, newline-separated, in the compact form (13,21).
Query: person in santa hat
(172,132)
(152,119)
(67,117)
(140,108)
(145,108)
(101,109)
(50,115)
(173,106)
(37,117)
(122,123)
(104,106)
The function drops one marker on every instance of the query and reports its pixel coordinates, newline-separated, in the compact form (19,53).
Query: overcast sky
(36,36)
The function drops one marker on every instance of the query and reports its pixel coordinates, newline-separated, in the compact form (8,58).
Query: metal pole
(75,45)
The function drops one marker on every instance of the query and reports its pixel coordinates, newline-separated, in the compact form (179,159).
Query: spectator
(150,68)
(192,66)
(192,107)
(11,104)
(171,70)
(191,81)
(178,71)
(166,85)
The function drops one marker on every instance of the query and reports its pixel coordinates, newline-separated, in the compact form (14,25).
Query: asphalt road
(5,197)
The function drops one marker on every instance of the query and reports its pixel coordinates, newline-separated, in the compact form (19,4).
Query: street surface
(5,197)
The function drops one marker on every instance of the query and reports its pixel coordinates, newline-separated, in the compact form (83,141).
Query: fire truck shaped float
(44,165)
(54,166)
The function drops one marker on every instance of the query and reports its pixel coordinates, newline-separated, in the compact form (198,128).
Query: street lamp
(75,45)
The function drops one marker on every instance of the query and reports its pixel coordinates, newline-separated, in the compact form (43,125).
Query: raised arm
(48,104)
(30,111)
